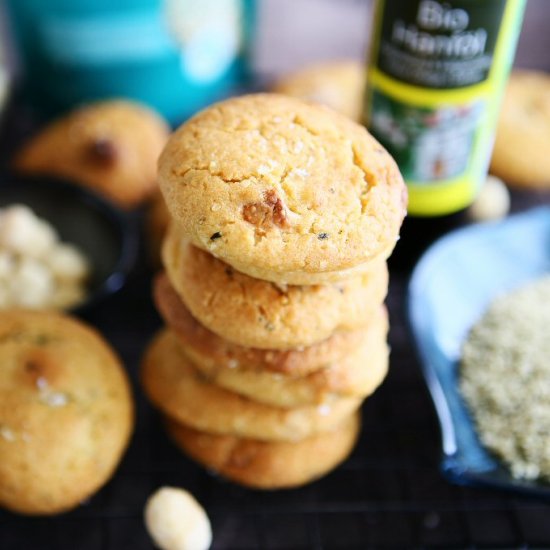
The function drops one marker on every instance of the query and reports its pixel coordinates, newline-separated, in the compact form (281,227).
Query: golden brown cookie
(255,313)
(337,84)
(268,464)
(111,147)
(357,374)
(66,412)
(282,190)
(209,352)
(175,387)
(522,141)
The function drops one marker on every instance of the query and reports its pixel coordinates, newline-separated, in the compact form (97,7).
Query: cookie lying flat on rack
(268,464)
(66,412)
(282,190)
(263,314)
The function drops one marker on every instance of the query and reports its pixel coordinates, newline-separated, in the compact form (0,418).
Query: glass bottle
(436,74)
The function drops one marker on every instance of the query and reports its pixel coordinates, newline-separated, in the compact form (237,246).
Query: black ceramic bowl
(107,236)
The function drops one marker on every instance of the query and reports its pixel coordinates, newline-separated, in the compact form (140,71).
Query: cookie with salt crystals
(66,412)
(283,190)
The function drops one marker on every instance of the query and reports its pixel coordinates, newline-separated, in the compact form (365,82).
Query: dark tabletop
(388,494)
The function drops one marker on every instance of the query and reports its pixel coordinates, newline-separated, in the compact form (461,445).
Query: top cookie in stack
(282,190)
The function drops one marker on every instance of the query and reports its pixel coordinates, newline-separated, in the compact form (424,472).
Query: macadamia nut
(176,521)
(21,232)
(36,269)
(31,283)
(67,263)
(492,202)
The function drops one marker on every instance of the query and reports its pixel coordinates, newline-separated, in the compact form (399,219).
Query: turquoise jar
(175,55)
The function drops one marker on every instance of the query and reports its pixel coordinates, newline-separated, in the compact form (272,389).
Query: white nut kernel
(32,283)
(67,262)
(492,202)
(36,270)
(22,232)
(176,521)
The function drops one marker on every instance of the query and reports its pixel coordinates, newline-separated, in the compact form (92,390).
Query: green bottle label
(435,81)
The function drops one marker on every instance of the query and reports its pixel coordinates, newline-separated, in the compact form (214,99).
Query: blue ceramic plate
(450,288)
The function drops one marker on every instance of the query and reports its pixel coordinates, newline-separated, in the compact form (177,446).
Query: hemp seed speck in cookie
(283,190)
(506,378)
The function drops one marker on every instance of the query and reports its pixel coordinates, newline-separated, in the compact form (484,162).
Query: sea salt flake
(54,399)
(301,172)
(263,169)
(7,434)
(298,147)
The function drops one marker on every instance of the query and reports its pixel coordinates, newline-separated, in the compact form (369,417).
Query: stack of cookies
(283,214)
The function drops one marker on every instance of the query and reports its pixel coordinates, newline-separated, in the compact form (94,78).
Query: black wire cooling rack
(389,494)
